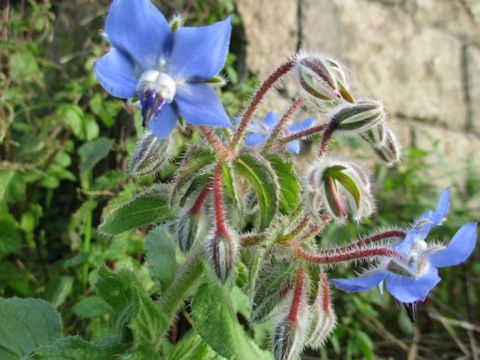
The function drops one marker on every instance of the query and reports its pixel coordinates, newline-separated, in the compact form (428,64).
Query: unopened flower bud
(374,135)
(317,82)
(324,319)
(221,251)
(339,188)
(340,74)
(190,227)
(150,154)
(358,117)
(388,150)
(287,340)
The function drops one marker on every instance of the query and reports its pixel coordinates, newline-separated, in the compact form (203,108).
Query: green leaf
(272,280)
(289,186)
(10,237)
(132,305)
(148,207)
(90,307)
(25,324)
(93,152)
(192,346)
(217,323)
(58,289)
(259,173)
(160,252)
(74,348)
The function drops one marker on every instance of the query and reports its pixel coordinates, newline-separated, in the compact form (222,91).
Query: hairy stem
(218,201)
(281,124)
(354,255)
(327,136)
(215,142)
(297,296)
(185,279)
(257,99)
(366,241)
(301,134)
(197,206)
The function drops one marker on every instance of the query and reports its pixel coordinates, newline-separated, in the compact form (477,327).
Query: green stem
(185,279)
(88,229)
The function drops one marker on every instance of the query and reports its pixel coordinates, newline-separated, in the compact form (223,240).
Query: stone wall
(421,58)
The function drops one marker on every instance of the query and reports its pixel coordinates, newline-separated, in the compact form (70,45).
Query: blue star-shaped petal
(259,133)
(165,69)
(411,280)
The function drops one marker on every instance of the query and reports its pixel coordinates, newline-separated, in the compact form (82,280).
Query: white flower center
(163,84)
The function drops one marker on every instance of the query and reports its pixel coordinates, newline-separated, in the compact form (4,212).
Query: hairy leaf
(148,207)
(289,186)
(259,173)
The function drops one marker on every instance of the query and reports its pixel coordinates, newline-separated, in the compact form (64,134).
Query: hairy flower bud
(374,135)
(358,117)
(190,227)
(317,82)
(150,154)
(221,250)
(340,188)
(322,80)
(388,150)
(323,320)
(288,340)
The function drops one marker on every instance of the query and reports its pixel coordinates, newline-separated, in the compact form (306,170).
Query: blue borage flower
(165,69)
(410,280)
(260,132)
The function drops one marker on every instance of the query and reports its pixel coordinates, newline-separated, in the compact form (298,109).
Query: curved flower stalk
(166,69)
(410,279)
(259,133)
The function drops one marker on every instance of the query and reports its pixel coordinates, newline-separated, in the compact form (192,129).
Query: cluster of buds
(338,188)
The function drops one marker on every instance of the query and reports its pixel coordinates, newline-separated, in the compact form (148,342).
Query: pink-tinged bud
(324,319)
(316,81)
(190,227)
(339,188)
(151,154)
(221,249)
(388,150)
(358,117)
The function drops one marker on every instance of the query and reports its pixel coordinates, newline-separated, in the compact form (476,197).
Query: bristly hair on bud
(352,119)
(177,21)
(323,320)
(375,134)
(388,150)
(339,188)
(151,154)
(322,80)
(221,250)
(190,227)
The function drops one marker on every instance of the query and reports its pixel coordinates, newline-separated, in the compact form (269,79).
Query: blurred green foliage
(64,149)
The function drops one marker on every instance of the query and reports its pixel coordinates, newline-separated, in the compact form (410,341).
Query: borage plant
(237,225)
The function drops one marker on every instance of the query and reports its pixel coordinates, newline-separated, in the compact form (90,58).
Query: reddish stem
(366,241)
(218,200)
(303,133)
(316,229)
(251,240)
(281,124)
(300,226)
(358,254)
(326,294)
(257,99)
(197,206)
(327,136)
(297,297)
(215,142)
